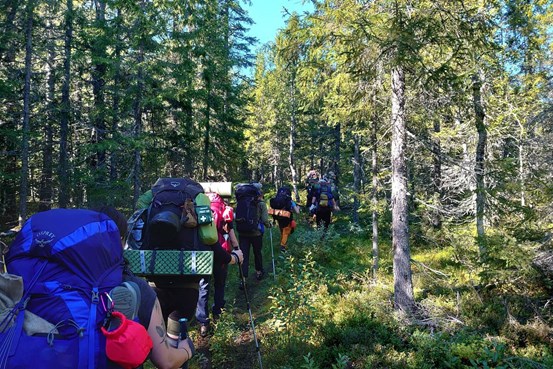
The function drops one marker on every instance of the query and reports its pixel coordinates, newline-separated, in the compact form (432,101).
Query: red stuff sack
(129,344)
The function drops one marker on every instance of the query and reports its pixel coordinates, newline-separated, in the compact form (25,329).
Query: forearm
(233,239)
(164,355)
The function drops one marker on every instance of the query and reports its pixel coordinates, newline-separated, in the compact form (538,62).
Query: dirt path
(245,354)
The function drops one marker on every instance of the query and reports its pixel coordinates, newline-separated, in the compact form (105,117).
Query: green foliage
(346,319)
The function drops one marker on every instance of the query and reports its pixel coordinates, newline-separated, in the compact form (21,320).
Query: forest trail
(244,354)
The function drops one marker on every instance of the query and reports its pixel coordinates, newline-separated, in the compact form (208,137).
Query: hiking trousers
(285,233)
(323,215)
(217,282)
(255,243)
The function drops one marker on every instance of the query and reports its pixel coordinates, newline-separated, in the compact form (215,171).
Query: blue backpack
(324,195)
(69,261)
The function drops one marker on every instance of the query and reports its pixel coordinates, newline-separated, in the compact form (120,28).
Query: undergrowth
(325,309)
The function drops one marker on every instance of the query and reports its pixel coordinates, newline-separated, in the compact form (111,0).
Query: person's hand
(236,256)
(336,208)
(188,346)
(312,208)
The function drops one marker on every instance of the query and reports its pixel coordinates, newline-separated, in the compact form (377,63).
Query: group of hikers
(87,288)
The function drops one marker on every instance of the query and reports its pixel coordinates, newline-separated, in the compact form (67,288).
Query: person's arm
(295,207)
(163,355)
(220,255)
(237,255)
(233,239)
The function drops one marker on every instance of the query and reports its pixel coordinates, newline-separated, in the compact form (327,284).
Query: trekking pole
(272,252)
(243,279)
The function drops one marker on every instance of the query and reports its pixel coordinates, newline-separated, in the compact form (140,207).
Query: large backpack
(170,239)
(247,214)
(324,195)
(222,214)
(173,216)
(69,260)
(282,200)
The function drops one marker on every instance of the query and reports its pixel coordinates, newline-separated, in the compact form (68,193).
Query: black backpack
(282,200)
(247,214)
(170,221)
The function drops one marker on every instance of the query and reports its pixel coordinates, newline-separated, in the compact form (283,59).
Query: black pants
(255,242)
(323,215)
(176,303)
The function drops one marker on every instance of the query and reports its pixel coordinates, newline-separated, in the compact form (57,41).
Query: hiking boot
(204,329)
(283,248)
(259,275)
(126,298)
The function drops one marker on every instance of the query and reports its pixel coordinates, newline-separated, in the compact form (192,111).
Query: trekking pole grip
(183,323)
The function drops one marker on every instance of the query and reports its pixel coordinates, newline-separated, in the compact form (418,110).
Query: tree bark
(480,121)
(10,102)
(45,192)
(337,145)
(137,110)
(292,139)
(403,285)
(98,162)
(374,190)
(356,178)
(437,177)
(113,157)
(63,170)
(207,126)
(23,189)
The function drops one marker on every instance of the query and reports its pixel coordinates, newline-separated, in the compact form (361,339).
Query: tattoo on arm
(160,329)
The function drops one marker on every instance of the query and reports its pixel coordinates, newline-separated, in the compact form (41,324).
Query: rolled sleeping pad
(224,189)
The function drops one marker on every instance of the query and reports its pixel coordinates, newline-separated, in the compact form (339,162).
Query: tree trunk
(189,122)
(207,128)
(23,189)
(45,192)
(63,170)
(10,102)
(403,285)
(336,160)
(137,112)
(356,178)
(480,121)
(113,158)
(292,140)
(98,162)
(521,166)
(437,177)
(374,190)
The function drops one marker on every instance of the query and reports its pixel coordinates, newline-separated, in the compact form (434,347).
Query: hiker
(163,355)
(283,209)
(97,319)
(310,182)
(325,200)
(223,218)
(251,219)
(178,217)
